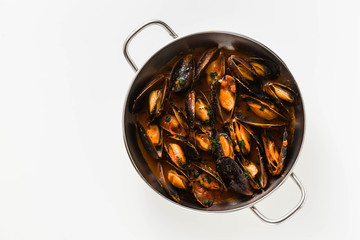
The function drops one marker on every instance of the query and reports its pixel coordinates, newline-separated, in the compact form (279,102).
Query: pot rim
(251,204)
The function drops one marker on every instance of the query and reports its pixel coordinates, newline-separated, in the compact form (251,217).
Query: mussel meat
(276,153)
(152,138)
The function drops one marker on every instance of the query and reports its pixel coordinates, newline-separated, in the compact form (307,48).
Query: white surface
(64,171)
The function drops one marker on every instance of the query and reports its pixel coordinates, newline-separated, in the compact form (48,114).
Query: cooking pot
(207,39)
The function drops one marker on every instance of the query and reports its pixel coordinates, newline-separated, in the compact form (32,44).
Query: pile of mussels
(216,123)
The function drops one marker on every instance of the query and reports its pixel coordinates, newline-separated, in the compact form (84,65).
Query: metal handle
(139,29)
(286,216)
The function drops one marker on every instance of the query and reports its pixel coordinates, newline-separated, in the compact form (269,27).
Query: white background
(64,171)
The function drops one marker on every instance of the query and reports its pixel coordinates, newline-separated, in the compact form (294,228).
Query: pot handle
(139,29)
(286,216)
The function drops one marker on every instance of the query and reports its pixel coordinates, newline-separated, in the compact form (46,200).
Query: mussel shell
(168,188)
(272,69)
(233,176)
(190,107)
(165,90)
(201,95)
(148,145)
(211,172)
(253,86)
(269,88)
(218,148)
(180,117)
(204,60)
(276,170)
(189,150)
(260,179)
(183,74)
(245,115)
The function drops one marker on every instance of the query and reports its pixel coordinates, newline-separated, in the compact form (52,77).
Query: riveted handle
(139,29)
(286,216)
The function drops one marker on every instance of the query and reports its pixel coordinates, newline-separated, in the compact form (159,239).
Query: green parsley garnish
(181,81)
(213,75)
(247,173)
(197,100)
(262,108)
(266,97)
(241,143)
(214,144)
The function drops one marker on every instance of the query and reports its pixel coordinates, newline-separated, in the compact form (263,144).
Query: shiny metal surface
(206,39)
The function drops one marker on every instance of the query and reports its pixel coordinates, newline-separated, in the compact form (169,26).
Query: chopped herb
(197,100)
(242,143)
(167,118)
(214,144)
(181,81)
(213,75)
(208,178)
(262,108)
(267,97)
(196,174)
(216,82)
(209,112)
(247,173)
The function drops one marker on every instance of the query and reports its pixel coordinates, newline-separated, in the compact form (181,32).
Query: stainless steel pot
(161,57)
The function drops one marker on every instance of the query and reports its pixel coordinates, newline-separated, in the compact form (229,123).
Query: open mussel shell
(249,151)
(260,113)
(204,60)
(253,164)
(169,188)
(151,136)
(233,176)
(245,74)
(205,183)
(223,98)
(176,123)
(183,74)
(284,95)
(180,151)
(264,68)
(275,150)
(203,141)
(156,92)
(211,172)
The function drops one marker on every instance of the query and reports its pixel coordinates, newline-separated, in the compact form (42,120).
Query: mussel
(183,74)
(205,183)
(212,62)
(264,68)
(222,145)
(152,138)
(176,123)
(233,176)
(249,151)
(223,97)
(180,151)
(258,112)
(281,93)
(275,151)
(157,91)
(168,187)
